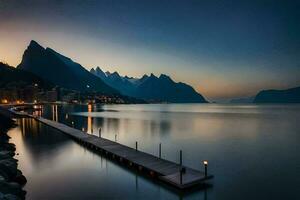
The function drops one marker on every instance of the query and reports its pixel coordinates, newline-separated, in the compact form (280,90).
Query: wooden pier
(179,176)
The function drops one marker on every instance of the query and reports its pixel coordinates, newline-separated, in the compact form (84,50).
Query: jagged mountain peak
(153,88)
(145,76)
(33,44)
(116,74)
(98,72)
(98,69)
(107,73)
(60,70)
(165,77)
(152,75)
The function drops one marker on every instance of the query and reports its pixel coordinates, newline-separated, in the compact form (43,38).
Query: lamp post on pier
(205,162)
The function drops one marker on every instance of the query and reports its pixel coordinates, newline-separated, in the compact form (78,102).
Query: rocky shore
(11,178)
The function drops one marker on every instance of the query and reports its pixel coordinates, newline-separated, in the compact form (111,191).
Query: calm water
(252,150)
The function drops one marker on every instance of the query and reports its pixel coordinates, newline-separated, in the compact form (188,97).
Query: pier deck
(164,170)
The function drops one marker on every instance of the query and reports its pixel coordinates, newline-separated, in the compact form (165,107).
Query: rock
(6,154)
(4,174)
(11,178)
(10,162)
(7,147)
(8,168)
(2,178)
(4,137)
(11,197)
(20,178)
(11,188)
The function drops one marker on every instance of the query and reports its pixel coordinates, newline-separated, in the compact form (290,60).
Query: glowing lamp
(205,162)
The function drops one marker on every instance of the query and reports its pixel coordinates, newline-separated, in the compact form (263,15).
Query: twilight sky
(223,48)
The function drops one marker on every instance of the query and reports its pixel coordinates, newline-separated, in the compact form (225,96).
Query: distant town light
(87,86)
(35,101)
(36,85)
(4,101)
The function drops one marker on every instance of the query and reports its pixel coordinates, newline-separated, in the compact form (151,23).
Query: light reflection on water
(58,168)
(248,147)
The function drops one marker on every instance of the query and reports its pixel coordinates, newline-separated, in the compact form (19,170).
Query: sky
(223,48)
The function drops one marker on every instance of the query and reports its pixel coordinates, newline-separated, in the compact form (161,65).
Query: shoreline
(11,178)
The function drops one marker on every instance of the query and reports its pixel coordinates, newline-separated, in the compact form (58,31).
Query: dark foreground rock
(11,179)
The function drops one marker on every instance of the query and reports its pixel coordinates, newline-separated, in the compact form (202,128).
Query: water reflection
(58,168)
(35,139)
(248,148)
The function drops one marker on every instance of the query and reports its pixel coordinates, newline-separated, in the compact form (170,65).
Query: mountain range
(151,88)
(60,70)
(291,95)
(48,69)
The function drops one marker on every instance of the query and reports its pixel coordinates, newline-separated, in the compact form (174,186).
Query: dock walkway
(164,170)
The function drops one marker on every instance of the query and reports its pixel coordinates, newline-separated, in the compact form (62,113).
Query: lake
(252,150)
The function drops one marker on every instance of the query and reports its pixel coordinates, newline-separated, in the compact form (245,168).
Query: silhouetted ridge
(34,45)
(151,88)
(291,95)
(60,70)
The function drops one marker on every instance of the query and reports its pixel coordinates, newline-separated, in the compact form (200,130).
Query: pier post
(180,157)
(159,150)
(205,162)
(136,145)
(115,137)
(182,171)
(100,132)
(180,176)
